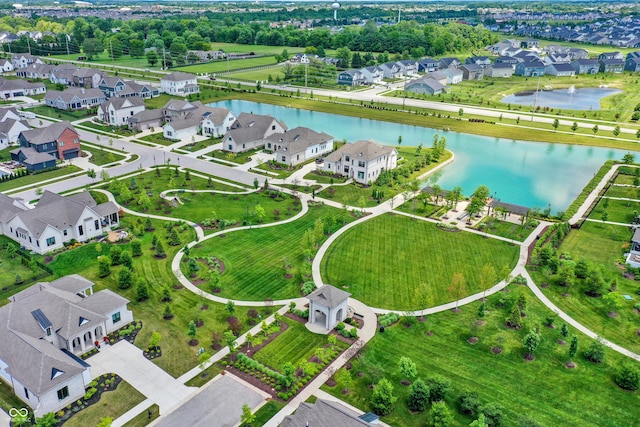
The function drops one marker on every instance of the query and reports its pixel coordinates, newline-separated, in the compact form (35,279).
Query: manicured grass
(177,355)
(8,399)
(507,229)
(143,419)
(158,101)
(415,207)
(603,245)
(221,66)
(108,129)
(394,262)
(200,145)
(617,211)
(266,412)
(100,157)
(506,378)
(111,404)
(158,138)
(33,179)
(293,345)
(5,154)
(239,158)
(205,376)
(624,179)
(11,267)
(254,259)
(626,192)
(60,114)
(591,185)
(324,179)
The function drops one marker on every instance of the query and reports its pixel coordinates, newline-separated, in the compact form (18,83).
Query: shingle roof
(118,103)
(9,207)
(47,134)
(323,413)
(18,84)
(328,296)
(299,139)
(69,94)
(250,127)
(178,76)
(32,156)
(364,150)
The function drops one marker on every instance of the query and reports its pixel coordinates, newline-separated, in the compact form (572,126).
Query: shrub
(468,402)
(388,319)
(418,396)
(628,378)
(439,387)
(340,326)
(595,352)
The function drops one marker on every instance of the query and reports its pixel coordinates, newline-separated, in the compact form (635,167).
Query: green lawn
(143,419)
(507,229)
(111,404)
(158,102)
(221,66)
(10,268)
(158,138)
(239,158)
(33,179)
(200,145)
(100,157)
(542,389)
(324,179)
(254,259)
(266,412)
(292,345)
(398,263)
(60,114)
(624,192)
(109,129)
(177,356)
(603,245)
(617,211)
(5,154)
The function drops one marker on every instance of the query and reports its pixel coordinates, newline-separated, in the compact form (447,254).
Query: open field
(398,263)
(254,259)
(221,66)
(517,385)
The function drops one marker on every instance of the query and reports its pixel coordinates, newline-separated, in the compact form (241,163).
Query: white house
(6,66)
(12,88)
(299,145)
(206,120)
(328,306)
(372,75)
(44,328)
(10,130)
(216,121)
(179,84)
(56,220)
(454,76)
(363,161)
(117,111)
(23,60)
(251,131)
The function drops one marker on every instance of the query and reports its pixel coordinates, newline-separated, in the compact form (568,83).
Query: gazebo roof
(329,296)
(516,209)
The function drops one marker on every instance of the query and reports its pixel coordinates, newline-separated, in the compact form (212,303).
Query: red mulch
(199,323)
(405,383)
(529,357)
(480,322)
(348,366)
(612,314)
(194,343)
(331,382)
(429,333)
(360,374)
(570,365)
(296,318)
(288,276)
(496,350)
(562,342)
(472,340)
(178,287)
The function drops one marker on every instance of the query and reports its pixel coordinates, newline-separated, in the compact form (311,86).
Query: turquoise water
(581,99)
(532,174)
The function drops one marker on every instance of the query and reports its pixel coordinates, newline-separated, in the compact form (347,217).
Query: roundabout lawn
(397,263)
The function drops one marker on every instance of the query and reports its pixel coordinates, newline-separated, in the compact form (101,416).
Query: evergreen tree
(160,253)
(418,396)
(573,348)
(142,291)
(531,342)
(439,387)
(126,259)
(136,248)
(104,266)
(192,330)
(383,401)
(125,278)
(116,255)
(440,414)
(173,239)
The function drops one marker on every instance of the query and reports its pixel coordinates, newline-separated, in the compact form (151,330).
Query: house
(390,70)
(74,98)
(5,66)
(216,121)
(56,220)
(328,306)
(299,145)
(530,69)
(324,413)
(13,88)
(483,61)
(10,129)
(472,72)
(179,84)
(633,257)
(178,109)
(23,60)
(506,60)
(610,55)
(586,66)
(251,131)
(560,70)
(206,55)
(426,85)
(87,77)
(117,111)
(35,71)
(353,77)
(632,63)
(9,113)
(557,58)
(578,53)
(454,76)
(59,139)
(611,65)
(530,43)
(408,67)
(372,75)
(146,119)
(499,70)
(34,160)
(62,74)
(44,328)
(183,128)
(427,65)
(117,87)
(363,161)
(449,62)
(438,75)
(301,58)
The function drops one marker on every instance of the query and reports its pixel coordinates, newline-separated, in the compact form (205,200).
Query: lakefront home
(363,161)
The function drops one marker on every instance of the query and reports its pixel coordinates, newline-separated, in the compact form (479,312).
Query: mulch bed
(295,317)
(480,322)
(405,383)
(529,357)
(562,342)
(472,340)
(152,353)
(570,365)
(429,333)
(131,338)
(496,350)
(612,314)
(178,287)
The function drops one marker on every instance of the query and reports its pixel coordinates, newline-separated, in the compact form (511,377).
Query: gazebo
(328,306)
(509,208)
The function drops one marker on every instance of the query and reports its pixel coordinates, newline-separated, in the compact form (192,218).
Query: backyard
(15,272)
(395,262)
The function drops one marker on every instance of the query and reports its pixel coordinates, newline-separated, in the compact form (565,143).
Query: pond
(568,99)
(525,173)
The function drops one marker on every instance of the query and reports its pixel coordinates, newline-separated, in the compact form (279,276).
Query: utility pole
(111,47)
(306,75)
(29,45)
(66,37)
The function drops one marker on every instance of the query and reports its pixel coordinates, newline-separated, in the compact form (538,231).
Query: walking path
(591,197)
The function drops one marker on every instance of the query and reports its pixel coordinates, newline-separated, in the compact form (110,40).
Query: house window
(115,317)
(64,232)
(26,393)
(230,147)
(169,133)
(96,224)
(48,332)
(346,158)
(63,393)
(61,143)
(80,230)
(361,163)
(284,158)
(360,175)
(346,169)
(51,241)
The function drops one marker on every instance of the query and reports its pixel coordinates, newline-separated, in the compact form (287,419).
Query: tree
(628,158)
(260,213)
(574,127)
(573,348)
(247,417)
(49,420)
(628,377)
(142,291)
(383,401)
(469,402)
(102,422)
(104,266)
(531,342)
(343,55)
(515,317)
(440,415)
(230,307)
(460,113)
(136,48)
(125,278)
(152,57)
(595,129)
(92,47)
(407,368)
(332,340)
(458,287)
(173,238)
(595,352)
(493,414)
(616,131)
(116,255)
(191,331)
(555,124)
(144,201)
(154,340)
(400,140)
(230,339)
(564,330)
(136,248)
(160,250)
(594,283)
(418,396)
(127,260)
(613,301)
(168,314)
(440,387)
(480,422)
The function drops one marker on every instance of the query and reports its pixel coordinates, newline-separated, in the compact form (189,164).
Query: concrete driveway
(127,360)
(218,404)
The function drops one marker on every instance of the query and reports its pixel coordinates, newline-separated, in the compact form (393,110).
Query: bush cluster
(388,319)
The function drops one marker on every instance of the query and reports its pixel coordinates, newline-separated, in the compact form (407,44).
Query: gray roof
(8,124)
(73,283)
(438,75)
(33,156)
(181,105)
(365,150)
(118,103)
(47,134)
(636,236)
(562,67)
(9,207)
(86,72)
(216,115)
(147,116)
(18,84)
(178,76)
(516,209)
(250,127)
(69,94)
(328,296)
(323,413)
(6,110)
(299,139)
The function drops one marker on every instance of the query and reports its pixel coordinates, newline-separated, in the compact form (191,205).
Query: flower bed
(128,332)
